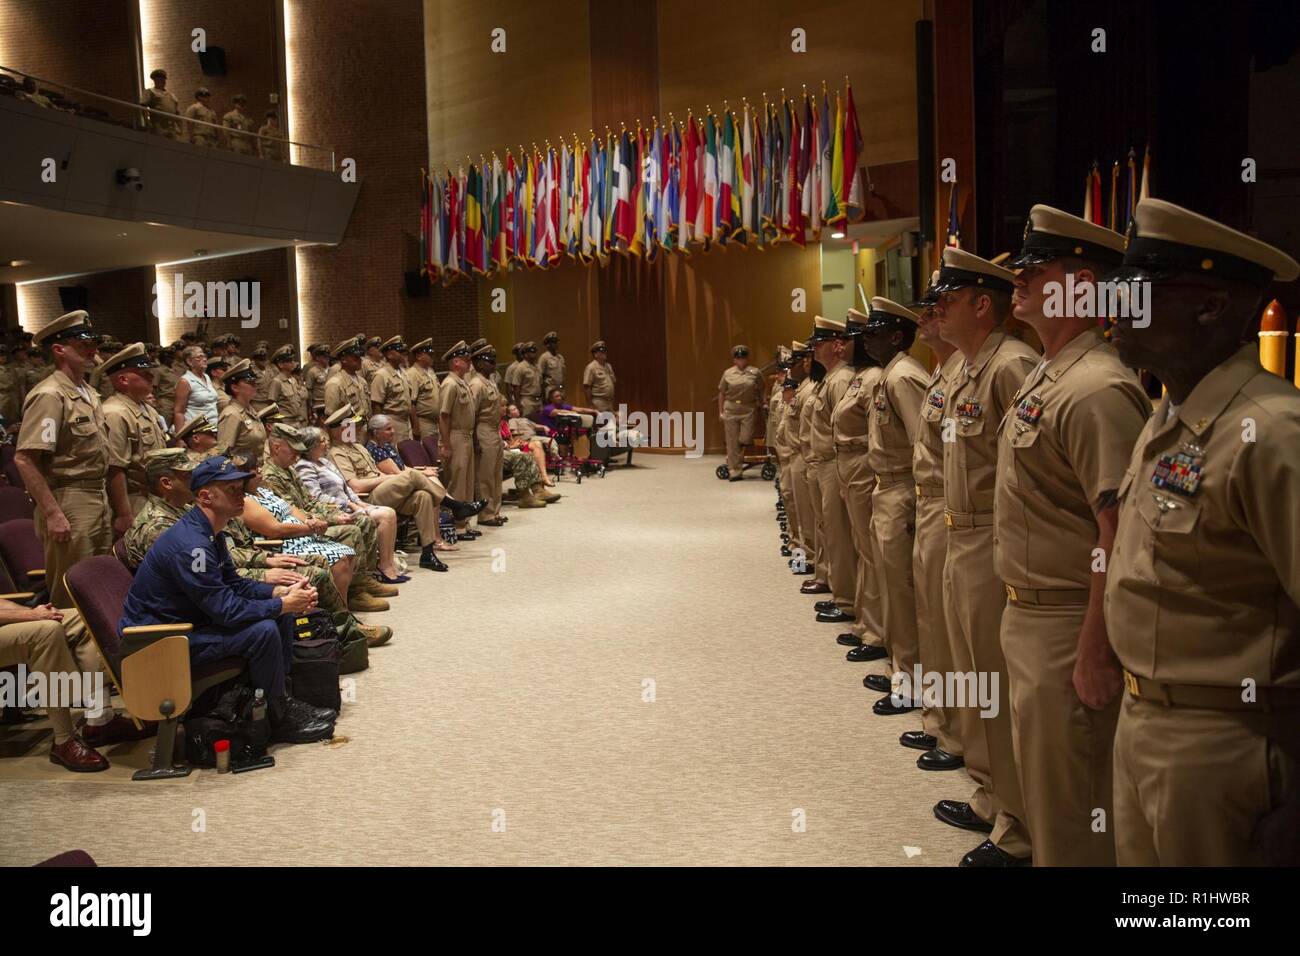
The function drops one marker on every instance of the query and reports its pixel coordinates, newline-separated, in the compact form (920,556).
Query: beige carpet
(507,722)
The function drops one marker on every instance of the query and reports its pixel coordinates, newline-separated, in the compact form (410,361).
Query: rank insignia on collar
(1030,409)
(935,399)
(968,408)
(1181,471)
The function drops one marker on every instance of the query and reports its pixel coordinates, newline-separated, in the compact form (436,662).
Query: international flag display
(754,176)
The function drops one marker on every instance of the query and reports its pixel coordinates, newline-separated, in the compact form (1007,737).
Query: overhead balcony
(85,187)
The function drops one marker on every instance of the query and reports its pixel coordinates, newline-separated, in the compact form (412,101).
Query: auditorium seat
(23,554)
(15,504)
(9,468)
(430,443)
(413,453)
(98,587)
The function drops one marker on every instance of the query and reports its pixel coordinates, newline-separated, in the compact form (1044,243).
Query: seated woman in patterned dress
(322,478)
(270,516)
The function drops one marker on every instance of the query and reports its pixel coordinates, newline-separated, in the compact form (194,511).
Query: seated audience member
(523,433)
(270,516)
(358,531)
(168,473)
(34,637)
(187,577)
(409,492)
(198,435)
(608,436)
(323,480)
(381,448)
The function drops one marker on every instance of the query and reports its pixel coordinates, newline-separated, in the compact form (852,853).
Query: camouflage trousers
(362,536)
(317,573)
(524,467)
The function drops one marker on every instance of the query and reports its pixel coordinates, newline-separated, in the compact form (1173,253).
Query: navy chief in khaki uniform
(1063,447)
(1203,590)
(740,396)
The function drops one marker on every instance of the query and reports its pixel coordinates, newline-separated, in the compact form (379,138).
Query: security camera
(130,177)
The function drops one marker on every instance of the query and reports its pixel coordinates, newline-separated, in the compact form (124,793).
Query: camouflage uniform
(525,469)
(362,536)
(250,561)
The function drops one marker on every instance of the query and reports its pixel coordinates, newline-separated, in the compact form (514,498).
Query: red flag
(852,148)
(690,182)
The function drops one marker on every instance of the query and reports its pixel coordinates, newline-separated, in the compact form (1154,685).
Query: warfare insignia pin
(1181,471)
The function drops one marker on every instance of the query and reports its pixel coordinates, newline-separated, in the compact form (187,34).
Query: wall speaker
(73,297)
(417,286)
(213,61)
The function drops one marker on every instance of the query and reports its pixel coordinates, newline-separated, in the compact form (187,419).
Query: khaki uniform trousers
(836,533)
(460,472)
(929,553)
(487,475)
(1192,784)
(974,598)
(739,432)
(428,427)
(817,554)
(42,646)
(801,497)
(856,486)
(893,528)
(1063,749)
(413,493)
(85,505)
(784,470)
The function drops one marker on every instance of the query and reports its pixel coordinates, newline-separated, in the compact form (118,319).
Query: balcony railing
(106,109)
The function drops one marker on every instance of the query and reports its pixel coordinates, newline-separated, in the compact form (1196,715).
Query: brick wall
(360,88)
(244,29)
(268,269)
(118,302)
(82,44)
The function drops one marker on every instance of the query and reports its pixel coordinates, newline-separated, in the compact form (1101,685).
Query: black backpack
(314,676)
(231,717)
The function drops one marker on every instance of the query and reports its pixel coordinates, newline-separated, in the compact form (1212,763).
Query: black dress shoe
(986,854)
(836,616)
(867,652)
(918,740)
(877,682)
(460,510)
(825,606)
(890,706)
(736,478)
(848,639)
(466,536)
(430,561)
(785,551)
(804,573)
(814,587)
(938,759)
(957,813)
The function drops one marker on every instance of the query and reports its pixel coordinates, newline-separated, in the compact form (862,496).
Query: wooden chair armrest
(181,627)
(19,596)
(270,544)
(36,574)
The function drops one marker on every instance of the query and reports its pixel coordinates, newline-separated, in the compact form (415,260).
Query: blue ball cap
(213,469)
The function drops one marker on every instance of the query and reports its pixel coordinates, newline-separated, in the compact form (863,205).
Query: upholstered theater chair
(149,665)
(15,504)
(413,453)
(9,467)
(430,443)
(23,555)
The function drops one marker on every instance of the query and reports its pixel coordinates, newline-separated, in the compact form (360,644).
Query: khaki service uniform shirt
(821,433)
(1204,579)
(288,392)
(602,381)
(162,101)
(980,393)
(552,368)
(314,378)
(425,396)
(895,418)
(239,126)
(742,391)
(927,453)
(343,389)
(66,421)
(390,394)
(133,430)
(456,401)
(201,135)
(1065,440)
(850,418)
(239,432)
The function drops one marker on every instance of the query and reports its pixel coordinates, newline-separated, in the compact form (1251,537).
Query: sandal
(385,579)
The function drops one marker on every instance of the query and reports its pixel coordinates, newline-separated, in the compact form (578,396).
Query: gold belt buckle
(947,519)
(918,490)
(1131,684)
(1011,593)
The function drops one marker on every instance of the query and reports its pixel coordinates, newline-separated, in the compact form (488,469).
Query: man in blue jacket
(187,576)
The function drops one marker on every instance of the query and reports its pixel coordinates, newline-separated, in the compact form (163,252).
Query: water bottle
(259,706)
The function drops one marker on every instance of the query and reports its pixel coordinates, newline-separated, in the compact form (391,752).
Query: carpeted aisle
(664,698)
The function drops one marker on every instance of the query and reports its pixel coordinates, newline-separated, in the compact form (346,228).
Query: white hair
(377,422)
